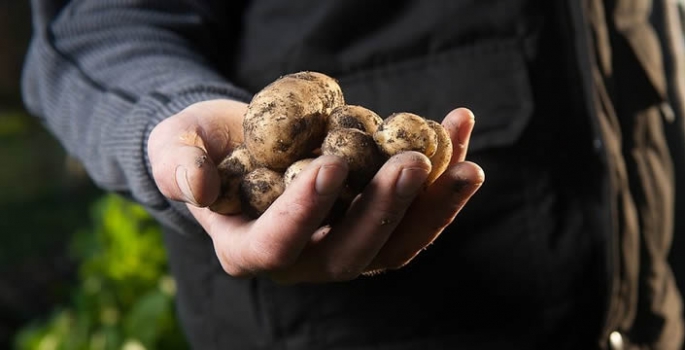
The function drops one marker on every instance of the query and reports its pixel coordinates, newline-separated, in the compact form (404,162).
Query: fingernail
(183,185)
(410,181)
(330,179)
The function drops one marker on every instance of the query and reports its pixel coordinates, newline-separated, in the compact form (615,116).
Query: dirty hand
(385,228)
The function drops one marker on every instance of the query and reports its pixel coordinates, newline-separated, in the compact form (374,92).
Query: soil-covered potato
(231,170)
(259,189)
(287,119)
(354,117)
(443,154)
(359,151)
(405,131)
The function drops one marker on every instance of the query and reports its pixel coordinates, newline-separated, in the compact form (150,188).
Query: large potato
(287,119)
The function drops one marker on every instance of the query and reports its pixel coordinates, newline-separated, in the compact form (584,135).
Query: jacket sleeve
(101,74)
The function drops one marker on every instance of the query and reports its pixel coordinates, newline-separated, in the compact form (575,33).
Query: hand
(386,227)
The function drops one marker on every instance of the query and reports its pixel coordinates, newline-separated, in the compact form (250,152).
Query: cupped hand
(393,219)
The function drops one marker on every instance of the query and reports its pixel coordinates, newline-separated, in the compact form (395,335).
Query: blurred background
(79,269)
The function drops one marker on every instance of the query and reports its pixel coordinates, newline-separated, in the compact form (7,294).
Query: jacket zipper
(584,58)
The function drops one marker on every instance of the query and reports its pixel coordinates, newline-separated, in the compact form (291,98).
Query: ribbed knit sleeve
(101,74)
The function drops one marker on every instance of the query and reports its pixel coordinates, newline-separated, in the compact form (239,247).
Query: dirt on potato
(259,189)
(360,152)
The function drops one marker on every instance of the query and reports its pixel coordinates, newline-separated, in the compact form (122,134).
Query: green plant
(124,299)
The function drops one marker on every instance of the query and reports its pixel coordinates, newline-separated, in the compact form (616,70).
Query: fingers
(459,124)
(438,206)
(347,249)
(279,235)
(184,149)
(288,243)
(275,240)
(429,215)
(183,172)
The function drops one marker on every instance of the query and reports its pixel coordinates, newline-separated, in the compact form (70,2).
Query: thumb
(184,149)
(183,172)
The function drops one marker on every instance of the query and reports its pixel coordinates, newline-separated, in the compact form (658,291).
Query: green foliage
(13,123)
(124,298)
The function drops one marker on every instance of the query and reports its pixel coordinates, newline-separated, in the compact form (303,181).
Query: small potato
(295,169)
(231,170)
(354,117)
(404,131)
(287,119)
(443,154)
(359,150)
(259,189)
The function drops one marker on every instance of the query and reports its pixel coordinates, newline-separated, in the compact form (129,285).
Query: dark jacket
(579,127)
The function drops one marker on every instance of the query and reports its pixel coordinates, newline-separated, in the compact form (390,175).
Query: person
(573,109)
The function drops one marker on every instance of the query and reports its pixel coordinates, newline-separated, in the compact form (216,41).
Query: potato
(231,170)
(359,151)
(259,189)
(354,117)
(295,169)
(287,119)
(443,154)
(405,131)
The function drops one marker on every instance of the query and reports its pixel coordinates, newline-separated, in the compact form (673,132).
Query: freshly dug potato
(359,150)
(354,117)
(295,169)
(406,132)
(443,154)
(231,170)
(287,119)
(259,189)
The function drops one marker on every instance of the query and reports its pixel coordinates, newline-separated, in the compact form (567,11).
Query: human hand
(385,228)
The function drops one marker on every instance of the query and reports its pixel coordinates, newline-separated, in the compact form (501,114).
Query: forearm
(101,75)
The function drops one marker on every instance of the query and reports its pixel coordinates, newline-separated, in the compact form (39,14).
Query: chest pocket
(490,79)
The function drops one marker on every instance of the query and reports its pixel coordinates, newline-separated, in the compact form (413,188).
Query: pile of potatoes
(303,115)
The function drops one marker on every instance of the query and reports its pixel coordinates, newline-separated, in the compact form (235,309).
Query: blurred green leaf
(148,310)
(125,296)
